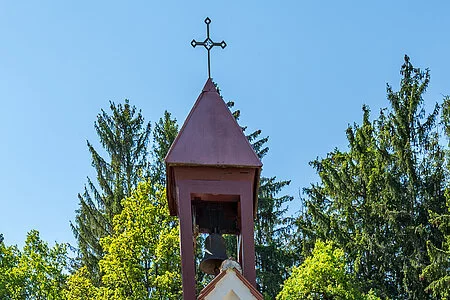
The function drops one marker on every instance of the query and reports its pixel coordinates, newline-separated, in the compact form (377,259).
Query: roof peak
(232,281)
(211,136)
(209,86)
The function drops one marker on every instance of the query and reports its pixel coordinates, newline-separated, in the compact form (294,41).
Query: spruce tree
(437,273)
(273,251)
(124,136)
(373,200)
(164,133)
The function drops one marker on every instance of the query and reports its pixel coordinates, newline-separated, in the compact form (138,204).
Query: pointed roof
(210,136)
(230,284)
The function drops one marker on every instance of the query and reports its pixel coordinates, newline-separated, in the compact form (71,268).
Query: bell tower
(212,180)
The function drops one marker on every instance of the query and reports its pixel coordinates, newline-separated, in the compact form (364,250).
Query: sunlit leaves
(142,259)
(322,276)
(36,272)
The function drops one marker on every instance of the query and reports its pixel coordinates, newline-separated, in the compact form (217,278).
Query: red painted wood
(248,240)
(186,244)
(215,187)
(214,173)
(242,188)
(212,160)
(211,136)
(210,174)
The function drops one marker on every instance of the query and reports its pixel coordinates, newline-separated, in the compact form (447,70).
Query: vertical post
(247,236)
(186,242)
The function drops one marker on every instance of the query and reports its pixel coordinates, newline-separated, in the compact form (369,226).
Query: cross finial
(208,44)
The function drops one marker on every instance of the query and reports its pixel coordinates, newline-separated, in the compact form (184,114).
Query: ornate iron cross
(208,44)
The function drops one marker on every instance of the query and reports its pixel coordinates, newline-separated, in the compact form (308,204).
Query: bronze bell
(215,254)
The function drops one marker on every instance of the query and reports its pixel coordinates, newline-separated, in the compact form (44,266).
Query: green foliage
(142,259)
(438,271)
(322,276)
(80,287)
(142,256)
(164,133)
(373,200)
(37,272)
(274,254)
(124,136)
(10,280)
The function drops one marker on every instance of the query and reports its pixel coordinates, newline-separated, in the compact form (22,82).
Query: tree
(124,136)
(438,271)
(373,200)
(274,256)
(145,248)
(80,286)
(9,281)
(142,256)
(322,276)
(164,133)
(36,272)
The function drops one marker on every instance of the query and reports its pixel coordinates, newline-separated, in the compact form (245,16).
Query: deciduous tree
(323,275)
(36,272)
(142,256)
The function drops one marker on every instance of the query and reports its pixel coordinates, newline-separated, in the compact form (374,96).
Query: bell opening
(215,216)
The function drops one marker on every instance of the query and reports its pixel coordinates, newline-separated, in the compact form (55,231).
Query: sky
(298,70)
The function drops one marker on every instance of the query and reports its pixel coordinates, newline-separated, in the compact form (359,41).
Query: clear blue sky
(298,70)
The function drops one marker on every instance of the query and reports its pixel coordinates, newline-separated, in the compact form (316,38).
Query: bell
(215,254)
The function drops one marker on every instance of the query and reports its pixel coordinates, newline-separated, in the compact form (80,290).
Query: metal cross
(208,44)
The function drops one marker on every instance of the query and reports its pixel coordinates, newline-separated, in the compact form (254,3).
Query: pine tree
(124,136)
(373,200)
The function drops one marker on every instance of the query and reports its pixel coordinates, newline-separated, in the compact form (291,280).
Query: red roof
(210,136)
